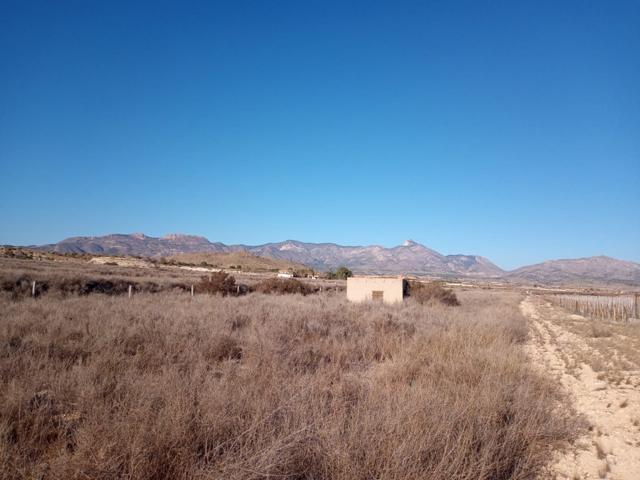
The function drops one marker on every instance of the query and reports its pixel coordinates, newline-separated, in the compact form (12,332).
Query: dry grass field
(165,386)
(59,276)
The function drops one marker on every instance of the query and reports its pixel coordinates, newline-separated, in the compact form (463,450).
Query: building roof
(391,277)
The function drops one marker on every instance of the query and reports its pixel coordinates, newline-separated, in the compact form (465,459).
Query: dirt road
(597,365)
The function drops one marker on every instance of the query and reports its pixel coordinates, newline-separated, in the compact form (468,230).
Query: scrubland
(78,276)
(272,386)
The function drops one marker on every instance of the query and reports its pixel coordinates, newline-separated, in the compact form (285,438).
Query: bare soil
(598,364)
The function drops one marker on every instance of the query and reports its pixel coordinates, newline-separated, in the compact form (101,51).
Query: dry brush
(255,387)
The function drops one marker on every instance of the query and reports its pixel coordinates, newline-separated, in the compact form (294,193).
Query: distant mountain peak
(291,245)
(409,243)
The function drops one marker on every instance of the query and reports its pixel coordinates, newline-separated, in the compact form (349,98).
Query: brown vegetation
(255,387)
(219,283)
(20,286)
(283,286)
(432,292)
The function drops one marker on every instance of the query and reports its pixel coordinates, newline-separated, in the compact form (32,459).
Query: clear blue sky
(505,129)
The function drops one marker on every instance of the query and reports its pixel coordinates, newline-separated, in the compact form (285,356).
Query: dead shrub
(389,325)
(68,355)
(14,343)
(308,360)
(432,292)
(239,322)
(600,331)
(282,286)
(21,286)
(133,344)
(80,286)
(217,283)
(222,347)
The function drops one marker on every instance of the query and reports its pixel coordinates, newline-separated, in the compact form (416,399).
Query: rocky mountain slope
(599,269)
(136,244)
(408,258)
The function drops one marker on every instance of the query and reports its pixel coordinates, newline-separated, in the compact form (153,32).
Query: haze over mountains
(408,258)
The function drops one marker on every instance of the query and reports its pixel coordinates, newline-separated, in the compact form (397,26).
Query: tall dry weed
(260,386)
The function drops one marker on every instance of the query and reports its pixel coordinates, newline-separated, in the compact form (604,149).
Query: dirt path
(611,449)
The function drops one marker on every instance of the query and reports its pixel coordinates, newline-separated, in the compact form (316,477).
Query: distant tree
(341,273)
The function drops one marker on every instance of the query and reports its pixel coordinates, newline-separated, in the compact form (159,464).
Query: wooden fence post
(33,288)
(636,306)
(192,290)
(130,291)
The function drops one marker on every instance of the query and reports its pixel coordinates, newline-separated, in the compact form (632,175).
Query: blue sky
(505,129)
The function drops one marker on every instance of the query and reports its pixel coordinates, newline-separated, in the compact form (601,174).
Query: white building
(285,275)
(377,289)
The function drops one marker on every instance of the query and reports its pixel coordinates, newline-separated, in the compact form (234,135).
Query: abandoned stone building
(378,289)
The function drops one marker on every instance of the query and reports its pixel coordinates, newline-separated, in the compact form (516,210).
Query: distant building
(285,275)
(376,289)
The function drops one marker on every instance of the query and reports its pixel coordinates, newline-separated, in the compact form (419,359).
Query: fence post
(636,306)
(130,291)
(33,288)
(192,290)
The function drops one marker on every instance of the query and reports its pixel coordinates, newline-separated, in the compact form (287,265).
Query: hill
(595,270)
(242,260)
(136,244)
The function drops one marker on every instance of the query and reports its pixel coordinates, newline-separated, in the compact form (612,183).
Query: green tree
(343,273)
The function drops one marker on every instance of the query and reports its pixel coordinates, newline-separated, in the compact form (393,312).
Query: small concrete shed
(377,289)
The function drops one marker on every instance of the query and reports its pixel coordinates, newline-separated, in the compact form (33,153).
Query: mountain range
(408,258)
(600,269)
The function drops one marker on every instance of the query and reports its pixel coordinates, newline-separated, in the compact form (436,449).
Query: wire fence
(617,308)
